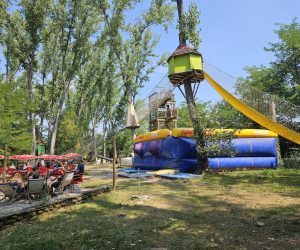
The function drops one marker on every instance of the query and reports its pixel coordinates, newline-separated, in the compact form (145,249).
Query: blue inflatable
(242,162)
(180,153)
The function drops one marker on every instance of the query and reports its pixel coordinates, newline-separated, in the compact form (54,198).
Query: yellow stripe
(253,114)
(239,133)
(154,135)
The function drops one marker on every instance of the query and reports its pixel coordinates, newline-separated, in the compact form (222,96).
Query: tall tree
(13,123)
(11,39)
(134,54)
(34,14)
(3,16)
(281,78)
(187,25)
(70,27)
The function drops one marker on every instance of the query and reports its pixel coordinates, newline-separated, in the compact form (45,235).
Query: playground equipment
(163,149)
(253,114)
(255,104)
(185,63)
(176,149)
(163,112)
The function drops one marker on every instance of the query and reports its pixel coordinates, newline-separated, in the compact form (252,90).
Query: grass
(220,210)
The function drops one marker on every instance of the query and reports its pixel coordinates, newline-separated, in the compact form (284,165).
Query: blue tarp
(180,175)
(135,175)
(128,170)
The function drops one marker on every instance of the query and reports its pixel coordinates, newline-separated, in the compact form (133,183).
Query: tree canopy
(72,67)
(77,63)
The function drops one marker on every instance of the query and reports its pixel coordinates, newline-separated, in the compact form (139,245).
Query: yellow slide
(253,114)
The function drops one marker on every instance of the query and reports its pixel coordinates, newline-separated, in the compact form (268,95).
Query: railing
(171,114)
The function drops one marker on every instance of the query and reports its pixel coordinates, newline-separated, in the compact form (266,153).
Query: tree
(34,15)
(282,78)
(12,33)
(223,115)
(14,127)
(134,54)
(188,24)
(286,67)
(67,43)
(3,16)
(203,109)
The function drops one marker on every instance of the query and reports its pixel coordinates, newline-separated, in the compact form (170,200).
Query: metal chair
(66,181)
(36,187)
(9,191)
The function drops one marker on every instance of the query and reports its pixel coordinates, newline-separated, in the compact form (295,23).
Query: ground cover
(237,210)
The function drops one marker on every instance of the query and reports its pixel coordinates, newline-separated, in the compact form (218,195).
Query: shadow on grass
(203,222)
(281,179)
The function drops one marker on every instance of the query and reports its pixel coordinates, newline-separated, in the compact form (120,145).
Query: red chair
(43,171)
(29,169)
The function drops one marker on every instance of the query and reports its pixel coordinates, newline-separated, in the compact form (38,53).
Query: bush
(291,162)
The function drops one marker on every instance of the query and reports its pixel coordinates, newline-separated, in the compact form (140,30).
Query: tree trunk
(133,134)
(182,39)
(198,128)
(7,63)
(114,160)
(199,131)
(94,137)
(5,163)
(80,108)
(33,132)
(30,96)
(272,111)
(40,132)
(57,119)
(104,141)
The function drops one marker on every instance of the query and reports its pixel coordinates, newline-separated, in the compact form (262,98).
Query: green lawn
(220,210)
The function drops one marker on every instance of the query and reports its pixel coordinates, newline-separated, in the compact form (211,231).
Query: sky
(234,33)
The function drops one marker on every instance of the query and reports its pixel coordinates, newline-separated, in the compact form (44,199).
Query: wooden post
(133,131)
(5,163)
(114,161)
(104,142)
(272,111)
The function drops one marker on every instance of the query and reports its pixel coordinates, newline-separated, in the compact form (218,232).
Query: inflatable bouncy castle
(176,149)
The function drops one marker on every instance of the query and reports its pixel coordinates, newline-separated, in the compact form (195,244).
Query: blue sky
(234,33)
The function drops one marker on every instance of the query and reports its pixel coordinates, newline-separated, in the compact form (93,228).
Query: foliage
(282,77)
(14,127)
(203,109)
(219,115)
(189,25)
(69,132)
(224,115)
(124,143)
(79,62)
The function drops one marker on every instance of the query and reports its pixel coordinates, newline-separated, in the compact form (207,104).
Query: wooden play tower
(162,110)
